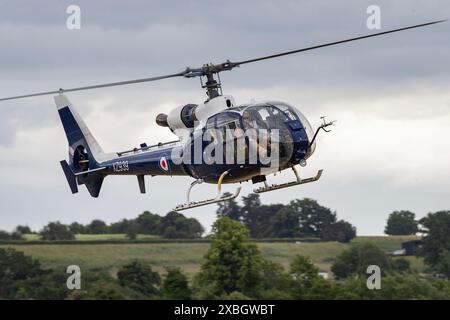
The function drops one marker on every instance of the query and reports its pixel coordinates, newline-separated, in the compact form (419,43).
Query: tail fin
(85,153)
(76,130)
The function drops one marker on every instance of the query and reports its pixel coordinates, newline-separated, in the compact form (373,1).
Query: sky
(389,150)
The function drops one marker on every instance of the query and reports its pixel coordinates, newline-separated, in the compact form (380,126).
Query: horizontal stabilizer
(70,176)
(82,173)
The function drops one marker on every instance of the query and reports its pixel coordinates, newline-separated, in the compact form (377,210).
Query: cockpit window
(222,125)
(286,109)
(221,119)
(263,117)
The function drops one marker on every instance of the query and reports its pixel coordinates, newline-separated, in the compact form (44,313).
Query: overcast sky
(389,151)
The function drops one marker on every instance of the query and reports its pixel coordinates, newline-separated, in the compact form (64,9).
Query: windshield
(263,117)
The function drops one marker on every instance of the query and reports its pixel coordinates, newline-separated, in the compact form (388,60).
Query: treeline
(298,219)
(233,268)
(301,218)
(172,226)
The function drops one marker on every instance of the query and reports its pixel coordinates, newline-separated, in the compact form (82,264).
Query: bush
(22,277)
(356,259)
(97,227)
(401,265)
(24,229)
(393,287)
(175,285)
(56,231)
(139,277)
(15,235)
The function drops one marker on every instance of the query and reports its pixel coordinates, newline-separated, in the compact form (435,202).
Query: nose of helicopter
(309,132)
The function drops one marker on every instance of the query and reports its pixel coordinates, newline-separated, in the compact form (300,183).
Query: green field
(188,256)
(94,237)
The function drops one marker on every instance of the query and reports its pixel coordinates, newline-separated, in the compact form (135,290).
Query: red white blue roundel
(164,164)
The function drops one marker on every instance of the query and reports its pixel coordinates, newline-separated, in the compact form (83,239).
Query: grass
(95,237)
(387,243)
(188,256)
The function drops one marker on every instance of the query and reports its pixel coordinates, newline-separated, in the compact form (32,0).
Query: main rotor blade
(335,43)
(111,84)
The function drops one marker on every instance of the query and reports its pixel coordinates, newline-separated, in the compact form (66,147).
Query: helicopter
(219,141)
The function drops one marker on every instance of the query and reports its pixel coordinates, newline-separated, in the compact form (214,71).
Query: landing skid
(298,181)
(219,198)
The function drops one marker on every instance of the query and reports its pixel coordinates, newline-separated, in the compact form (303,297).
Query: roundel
(163,164)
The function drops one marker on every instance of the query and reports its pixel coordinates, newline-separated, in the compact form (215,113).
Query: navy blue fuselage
(294,145)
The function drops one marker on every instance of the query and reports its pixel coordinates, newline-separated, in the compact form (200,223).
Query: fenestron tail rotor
(209,70)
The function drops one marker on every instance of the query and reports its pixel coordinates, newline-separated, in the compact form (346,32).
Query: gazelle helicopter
(293,143)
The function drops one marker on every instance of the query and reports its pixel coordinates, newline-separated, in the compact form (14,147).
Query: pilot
(248,124)
(250,121)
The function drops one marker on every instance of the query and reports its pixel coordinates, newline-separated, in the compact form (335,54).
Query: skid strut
(298,181)
(219,198)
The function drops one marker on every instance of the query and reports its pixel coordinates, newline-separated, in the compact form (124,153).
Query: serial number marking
(261,309)
(121,166)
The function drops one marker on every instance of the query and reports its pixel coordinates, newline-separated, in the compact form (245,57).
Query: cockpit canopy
(265,116)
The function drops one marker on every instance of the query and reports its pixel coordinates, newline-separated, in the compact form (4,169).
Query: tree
(256,217)
(229,209)
(132,231)
(340,231)
(120,227)
(175,285)
(15,235)
(139,277)
(175,225)
(436,239)
(394,287)
(148,223)
(401,223)
(306,218)
(286,223)
(443,265)
(251,205)
(97,227)
(100,285)
(78,228)
(24,229)
(56,231)
(303,273)
(232,263)
(313,218)
(276,284)
(22,277)
(357,258)
(260,220)
(100,291)
(401,265)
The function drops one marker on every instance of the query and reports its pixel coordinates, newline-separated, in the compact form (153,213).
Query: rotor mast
(212,86)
